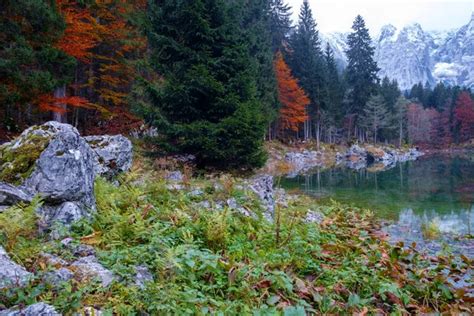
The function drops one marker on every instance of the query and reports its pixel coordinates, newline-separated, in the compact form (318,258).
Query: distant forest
(215,78)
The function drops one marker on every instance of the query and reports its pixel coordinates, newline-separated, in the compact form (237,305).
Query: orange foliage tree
(292,97)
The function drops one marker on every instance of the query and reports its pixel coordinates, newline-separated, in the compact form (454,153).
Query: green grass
(217,261)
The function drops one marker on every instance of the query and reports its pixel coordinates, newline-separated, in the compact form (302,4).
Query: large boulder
(38,309)
(11,274)
(53,161)
(112,154)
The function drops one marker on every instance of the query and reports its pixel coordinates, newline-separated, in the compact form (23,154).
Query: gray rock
(232,203)
(89,311)
(314,217)
(176,176)
(11,274)
(63,175)
(142,276)
(90,268)
(196,192)
(66,241)
(57,277)
(262,186)
(112,154)
(53,260)
(11,195)
(83,250)
(301,162)
(38,309)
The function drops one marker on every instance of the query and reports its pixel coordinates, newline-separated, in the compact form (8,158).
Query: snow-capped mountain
(412,55)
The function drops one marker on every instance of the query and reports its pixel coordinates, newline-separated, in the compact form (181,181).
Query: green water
(435,189)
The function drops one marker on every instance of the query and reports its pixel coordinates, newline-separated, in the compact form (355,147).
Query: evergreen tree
(376,115)
(361,74)
(334,91)
(255,30)
(401,107)
(207,104)
(30,63)
(306,62)
(280,23)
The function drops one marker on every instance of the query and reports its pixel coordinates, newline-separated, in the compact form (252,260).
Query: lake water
(429,201)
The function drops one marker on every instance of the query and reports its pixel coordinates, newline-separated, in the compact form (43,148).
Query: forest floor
(211,250)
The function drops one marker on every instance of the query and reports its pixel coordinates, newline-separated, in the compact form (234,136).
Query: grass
(217,261)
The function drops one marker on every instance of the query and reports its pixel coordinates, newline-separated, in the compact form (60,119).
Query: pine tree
(207,105)
(292,98)
(376,115)
(280,23)
(361,73)
(306,62)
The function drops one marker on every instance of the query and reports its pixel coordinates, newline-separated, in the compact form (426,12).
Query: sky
(338,15)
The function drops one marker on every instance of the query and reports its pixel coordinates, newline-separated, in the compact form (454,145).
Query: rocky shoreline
(356,157)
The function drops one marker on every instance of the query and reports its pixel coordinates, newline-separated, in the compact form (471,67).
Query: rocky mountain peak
(412,55)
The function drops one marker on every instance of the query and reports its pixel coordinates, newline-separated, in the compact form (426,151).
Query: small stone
(232,203)
(11,274)
(53,260)
(90,268)
(66,241)
(59,276)
(314,217)
(83,251)
(176,176)
(196,192)
(142,276)
(38,309)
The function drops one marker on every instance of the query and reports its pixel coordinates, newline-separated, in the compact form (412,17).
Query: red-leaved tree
(464,114)
(292,97)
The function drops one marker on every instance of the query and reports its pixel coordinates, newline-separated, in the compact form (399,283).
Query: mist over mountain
(412,55)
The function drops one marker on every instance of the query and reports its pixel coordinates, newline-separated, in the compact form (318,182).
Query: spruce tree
(306,62)
(376,116)
(361,73)
(280,23)
(207,104)
(334,91)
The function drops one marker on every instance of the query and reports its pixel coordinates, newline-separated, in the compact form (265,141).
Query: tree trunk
(317,133)
(60,92)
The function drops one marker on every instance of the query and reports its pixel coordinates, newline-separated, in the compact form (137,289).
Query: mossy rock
(17,159)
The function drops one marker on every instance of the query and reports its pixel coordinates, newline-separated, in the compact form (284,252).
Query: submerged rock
(12,274)
(112,154)
(38,309)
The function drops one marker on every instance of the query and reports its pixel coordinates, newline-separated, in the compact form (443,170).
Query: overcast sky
(337,15)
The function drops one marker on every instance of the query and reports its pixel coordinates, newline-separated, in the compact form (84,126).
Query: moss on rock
(17,160)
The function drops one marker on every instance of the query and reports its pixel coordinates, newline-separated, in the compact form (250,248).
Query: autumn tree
(292,97)
(464,114)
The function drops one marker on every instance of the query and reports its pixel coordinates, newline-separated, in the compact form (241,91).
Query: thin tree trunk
(60,117)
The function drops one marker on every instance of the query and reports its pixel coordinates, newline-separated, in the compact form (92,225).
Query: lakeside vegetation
(216,260)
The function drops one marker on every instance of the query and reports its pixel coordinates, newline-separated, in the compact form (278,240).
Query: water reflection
(435,190)
(454,230)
